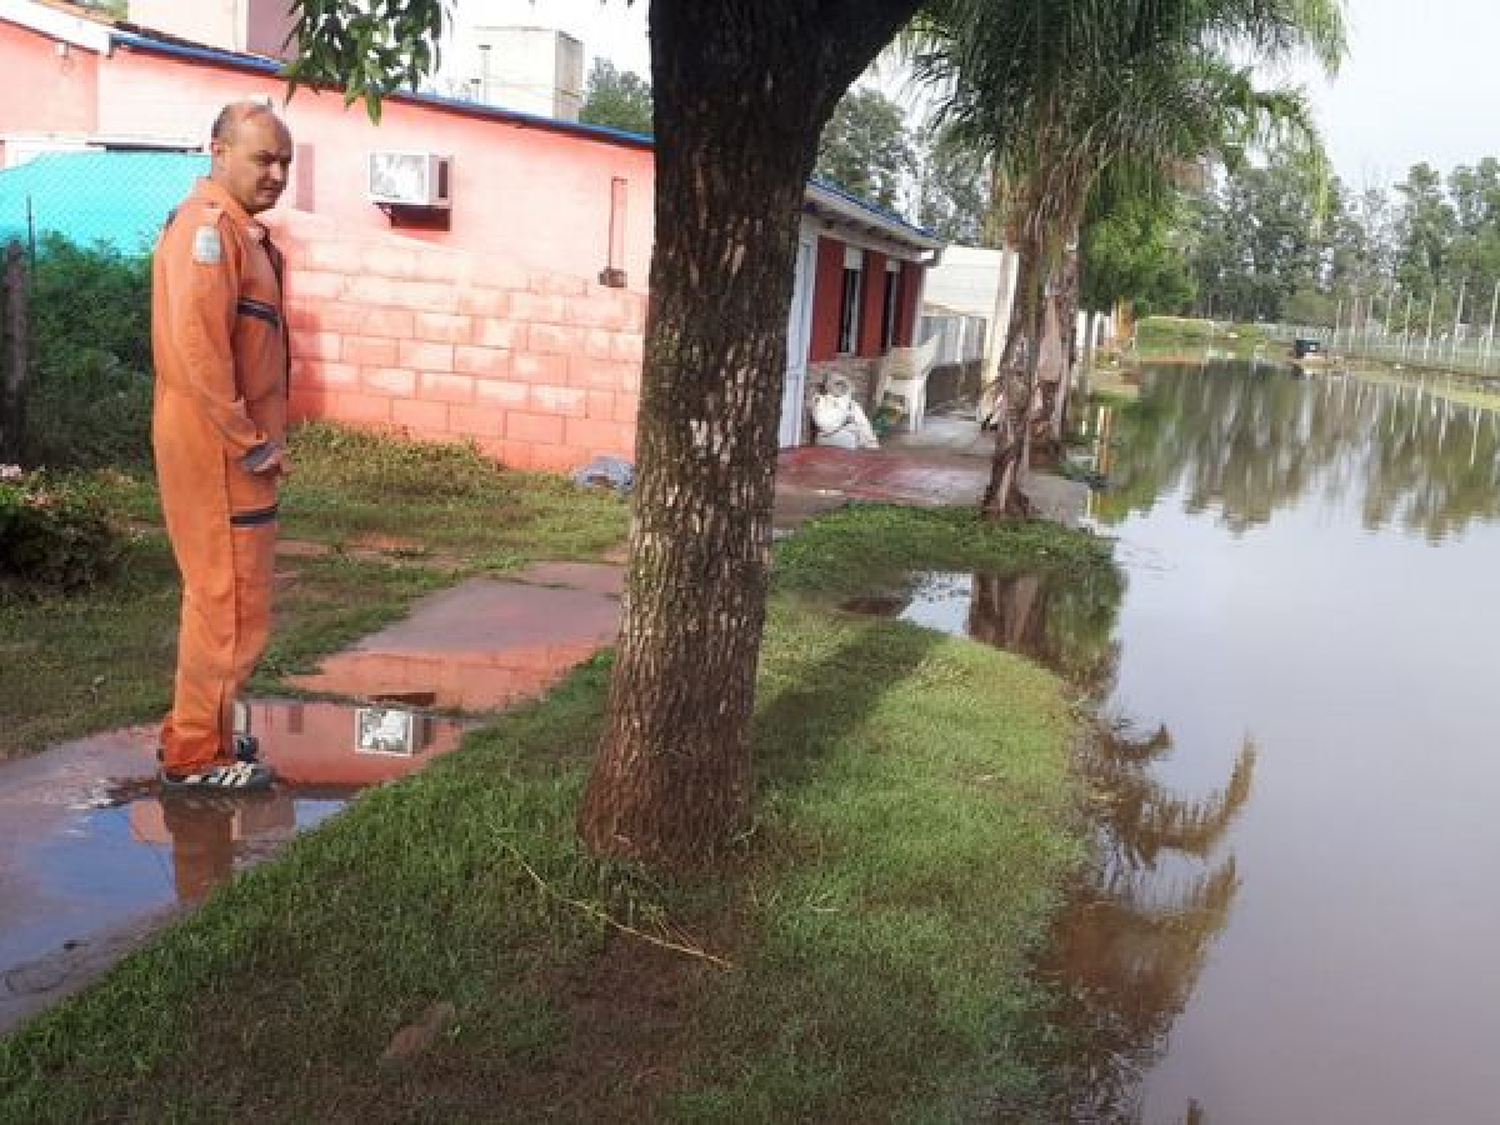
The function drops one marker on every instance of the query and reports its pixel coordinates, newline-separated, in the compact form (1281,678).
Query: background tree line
(1273,243)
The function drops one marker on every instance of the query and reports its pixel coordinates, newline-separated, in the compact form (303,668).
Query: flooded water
(93,857)
(1295,916)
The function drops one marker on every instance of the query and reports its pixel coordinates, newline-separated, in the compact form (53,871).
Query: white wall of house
(214,23)
(977,282)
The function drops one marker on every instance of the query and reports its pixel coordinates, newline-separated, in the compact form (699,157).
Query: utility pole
(1458,317)
(1489,337)
(1431,311)
(1385,323)
(1406,326)
(15,352)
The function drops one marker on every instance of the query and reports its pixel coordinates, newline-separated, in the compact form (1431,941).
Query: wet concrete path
(947,461)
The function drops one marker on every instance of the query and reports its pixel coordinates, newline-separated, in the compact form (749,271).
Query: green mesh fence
(118,199)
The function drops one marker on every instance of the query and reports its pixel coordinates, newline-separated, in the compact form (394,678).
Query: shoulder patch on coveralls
(208,249)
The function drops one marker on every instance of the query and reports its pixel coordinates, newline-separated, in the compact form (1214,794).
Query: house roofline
(75,29)
(140,40)
(820,198)
(824,198)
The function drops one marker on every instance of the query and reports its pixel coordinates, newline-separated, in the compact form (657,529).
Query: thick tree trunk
(1124,323)
(741,91)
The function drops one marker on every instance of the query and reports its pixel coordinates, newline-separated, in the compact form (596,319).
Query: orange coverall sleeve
(204,318)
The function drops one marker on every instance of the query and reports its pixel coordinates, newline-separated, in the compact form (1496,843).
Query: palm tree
(1067,97)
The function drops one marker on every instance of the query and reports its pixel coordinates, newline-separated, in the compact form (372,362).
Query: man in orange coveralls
(218,337)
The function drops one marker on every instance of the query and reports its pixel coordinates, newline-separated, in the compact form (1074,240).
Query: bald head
(252,154)
(236,113)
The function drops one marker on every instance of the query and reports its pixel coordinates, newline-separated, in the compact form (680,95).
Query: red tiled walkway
(901,477)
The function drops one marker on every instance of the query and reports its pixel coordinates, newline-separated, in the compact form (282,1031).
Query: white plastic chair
(903,375)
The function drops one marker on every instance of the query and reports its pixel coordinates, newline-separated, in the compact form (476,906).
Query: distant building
(531,69)
(255,27)
(968,300)
(537,70)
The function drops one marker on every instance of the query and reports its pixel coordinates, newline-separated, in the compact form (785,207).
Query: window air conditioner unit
(410,179)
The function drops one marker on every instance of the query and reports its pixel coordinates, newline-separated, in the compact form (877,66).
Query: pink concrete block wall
(540,370)
(48,89)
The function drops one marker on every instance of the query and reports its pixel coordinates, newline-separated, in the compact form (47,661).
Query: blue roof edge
(260,64)
(874,208)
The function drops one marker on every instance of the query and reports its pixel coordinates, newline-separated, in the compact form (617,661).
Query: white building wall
(214,23)
(977,282)
(536,70)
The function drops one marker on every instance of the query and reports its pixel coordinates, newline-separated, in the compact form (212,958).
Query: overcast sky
(1422,81)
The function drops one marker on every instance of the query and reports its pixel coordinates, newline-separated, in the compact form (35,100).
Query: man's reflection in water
(201,830)
(205,831)
(313,749)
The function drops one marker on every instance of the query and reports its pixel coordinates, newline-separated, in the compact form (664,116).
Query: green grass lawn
(910,839)
(78,664)
(1157,328)
(914,823)
(860,548)
(348,486)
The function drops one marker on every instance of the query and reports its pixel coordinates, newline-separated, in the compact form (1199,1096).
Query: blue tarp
(121,198)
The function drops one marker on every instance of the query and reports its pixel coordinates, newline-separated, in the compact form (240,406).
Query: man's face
(252,165)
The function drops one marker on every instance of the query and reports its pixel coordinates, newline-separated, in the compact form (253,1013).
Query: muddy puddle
(93,856)
(484,644)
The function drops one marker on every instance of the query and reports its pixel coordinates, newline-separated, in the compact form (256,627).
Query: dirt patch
(628,1017)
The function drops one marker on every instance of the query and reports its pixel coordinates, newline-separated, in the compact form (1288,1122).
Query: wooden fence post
(15,340)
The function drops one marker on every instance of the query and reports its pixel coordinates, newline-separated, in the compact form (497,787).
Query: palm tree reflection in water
(1125,955)
(1127,949)
(1126,952)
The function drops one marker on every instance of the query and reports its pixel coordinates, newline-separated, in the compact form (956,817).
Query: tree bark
(741,92)
(1018,368)
(1067,322)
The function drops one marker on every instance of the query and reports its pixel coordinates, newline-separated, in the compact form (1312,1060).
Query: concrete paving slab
(594,578)
(482,644)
